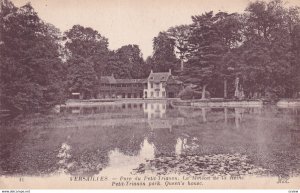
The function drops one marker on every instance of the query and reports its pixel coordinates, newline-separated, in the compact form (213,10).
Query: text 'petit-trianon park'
(219,56)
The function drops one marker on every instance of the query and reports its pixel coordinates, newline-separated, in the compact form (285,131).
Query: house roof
(108,79)
(155,77)
(159,76)
(130,81)
(111,80)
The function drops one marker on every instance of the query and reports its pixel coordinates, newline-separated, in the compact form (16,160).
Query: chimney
(151,71)
(170,71)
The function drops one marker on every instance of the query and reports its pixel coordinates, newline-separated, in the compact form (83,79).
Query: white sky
(129,21)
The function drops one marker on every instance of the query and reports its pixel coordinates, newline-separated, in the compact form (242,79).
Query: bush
(188,93)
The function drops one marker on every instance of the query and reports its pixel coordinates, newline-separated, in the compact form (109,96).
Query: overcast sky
(129,21)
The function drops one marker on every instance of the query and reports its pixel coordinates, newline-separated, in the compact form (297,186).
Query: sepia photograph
(152,94)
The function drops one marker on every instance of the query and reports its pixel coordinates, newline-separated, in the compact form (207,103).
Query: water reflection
(120,162)
(112,137)
(295,132)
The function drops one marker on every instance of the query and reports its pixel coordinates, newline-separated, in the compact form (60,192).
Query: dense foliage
(40,66)
(260,47)
(31,68)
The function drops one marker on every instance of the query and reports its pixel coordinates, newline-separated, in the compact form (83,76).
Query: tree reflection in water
(102,138)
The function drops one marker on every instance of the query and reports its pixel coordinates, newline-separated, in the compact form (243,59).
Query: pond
(152,137)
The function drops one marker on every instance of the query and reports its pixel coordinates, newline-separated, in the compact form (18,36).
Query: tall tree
(85,42)
(207,49)
(180,35)
(129,62)
(89,44)
(294,29)
(31,68)
(87,60)
(81,77)
(266,59)
(164,56)
(126,62)
(229,27)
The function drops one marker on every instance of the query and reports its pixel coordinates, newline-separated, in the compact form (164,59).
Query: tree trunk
(203,91)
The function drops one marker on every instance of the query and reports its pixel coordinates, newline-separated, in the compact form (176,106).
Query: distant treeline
(40,66)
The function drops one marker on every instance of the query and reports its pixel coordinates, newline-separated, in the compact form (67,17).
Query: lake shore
(289,103)
(219,103)
(215,102)
(95,102)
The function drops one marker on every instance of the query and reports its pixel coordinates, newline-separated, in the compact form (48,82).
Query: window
(163,93)
(157,94)
(151,94)
(151,84)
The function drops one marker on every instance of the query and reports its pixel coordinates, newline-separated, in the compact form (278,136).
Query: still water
(155,138)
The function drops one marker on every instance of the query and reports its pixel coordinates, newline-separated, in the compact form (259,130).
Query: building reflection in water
(155,110)
(157,116)
(120,113)
(168,131)
(117,137)
(161,124)
(160,120)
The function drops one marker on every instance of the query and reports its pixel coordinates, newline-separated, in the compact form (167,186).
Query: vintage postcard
(153,94)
